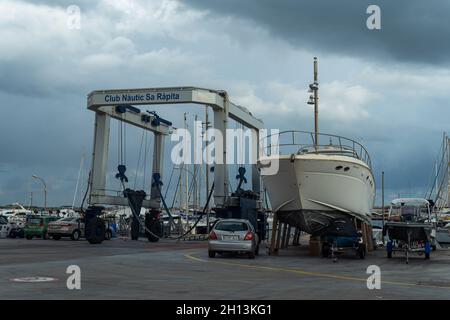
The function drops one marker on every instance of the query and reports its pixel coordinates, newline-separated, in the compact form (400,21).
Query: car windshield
(231,226)
(3,220)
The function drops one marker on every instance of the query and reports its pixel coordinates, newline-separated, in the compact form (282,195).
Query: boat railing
(301,142)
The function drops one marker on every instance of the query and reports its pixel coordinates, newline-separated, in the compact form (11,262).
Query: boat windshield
(302,142)
(409,213)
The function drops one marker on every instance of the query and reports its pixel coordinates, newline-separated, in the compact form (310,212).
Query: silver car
(233,235)
(66,227)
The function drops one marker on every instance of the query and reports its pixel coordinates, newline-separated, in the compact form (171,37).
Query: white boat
(15,212)
(321,177)
(316,184)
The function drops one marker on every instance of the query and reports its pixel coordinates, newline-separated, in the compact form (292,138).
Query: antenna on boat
(314,100)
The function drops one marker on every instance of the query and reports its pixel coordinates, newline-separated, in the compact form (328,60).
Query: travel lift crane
(119,104)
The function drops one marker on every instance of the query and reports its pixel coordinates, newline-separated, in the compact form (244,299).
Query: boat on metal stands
(318,183)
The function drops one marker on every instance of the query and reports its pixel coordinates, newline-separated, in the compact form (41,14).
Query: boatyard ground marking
(34,279)
(309,273)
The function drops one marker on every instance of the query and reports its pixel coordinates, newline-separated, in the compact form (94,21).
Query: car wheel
(251,255)
(45,236)
(75,235)
(257,250)
(29,237)
(211,254)
(13,234)
(108,235)
(56,237)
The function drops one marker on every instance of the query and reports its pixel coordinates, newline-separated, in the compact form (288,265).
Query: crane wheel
(95,231)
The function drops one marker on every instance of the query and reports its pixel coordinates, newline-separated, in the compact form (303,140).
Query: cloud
(381,89)
(340,101)
(412,30)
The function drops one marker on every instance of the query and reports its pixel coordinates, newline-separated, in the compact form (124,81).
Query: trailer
(410,228)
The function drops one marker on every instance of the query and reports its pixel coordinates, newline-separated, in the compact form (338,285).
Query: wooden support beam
(284,238)
(369,237)
(288,236)
(274,234)
(297,239)
(277,245)
(314,246)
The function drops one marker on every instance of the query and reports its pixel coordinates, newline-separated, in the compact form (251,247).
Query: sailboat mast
(448,170)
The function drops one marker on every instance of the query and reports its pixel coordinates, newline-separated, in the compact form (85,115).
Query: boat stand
(281,235)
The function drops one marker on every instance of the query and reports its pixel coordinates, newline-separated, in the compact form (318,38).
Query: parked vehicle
(377,233)
(342,237)
(11,229)
(233,235)
(111,228)
(37,226)
(17,230)
(410,227)
(14,211)
(4,227)
(66,227)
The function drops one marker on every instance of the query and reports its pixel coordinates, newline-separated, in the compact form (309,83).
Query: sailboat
(321,177)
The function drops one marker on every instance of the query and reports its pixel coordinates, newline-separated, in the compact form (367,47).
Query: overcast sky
(388,88)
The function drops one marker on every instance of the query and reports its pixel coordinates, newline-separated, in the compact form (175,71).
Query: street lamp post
(45,190)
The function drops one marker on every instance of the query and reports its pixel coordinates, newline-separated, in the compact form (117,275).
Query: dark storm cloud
(412,30)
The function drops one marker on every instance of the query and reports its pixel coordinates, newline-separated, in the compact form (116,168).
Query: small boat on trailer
(410,228)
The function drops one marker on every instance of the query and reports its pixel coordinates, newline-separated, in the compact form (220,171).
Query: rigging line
(201,214)
(124,143)
(170,180)
(438,173)
(191,187)
(434,176)
(139,160)
(176,190)
(144,164)
(118,143)
(121,142)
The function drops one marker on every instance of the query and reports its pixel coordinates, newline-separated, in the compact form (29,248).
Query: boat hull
(408,232)
(311,190)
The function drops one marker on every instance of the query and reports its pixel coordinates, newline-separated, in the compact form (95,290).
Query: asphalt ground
(180,270)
